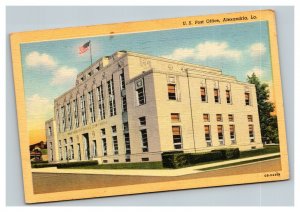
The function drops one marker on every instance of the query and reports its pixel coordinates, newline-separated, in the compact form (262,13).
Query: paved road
(50,182)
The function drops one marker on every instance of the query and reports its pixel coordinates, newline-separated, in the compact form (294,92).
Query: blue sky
(50,68)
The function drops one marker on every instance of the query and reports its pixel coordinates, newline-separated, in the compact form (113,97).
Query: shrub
(171,152)
(229,153)
(76,164)
(180,159)
(175,160)
(205,157)
(43,165)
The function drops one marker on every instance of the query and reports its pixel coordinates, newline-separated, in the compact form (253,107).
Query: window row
(204,96)
(65,114)
(177,135)
(114,139)
(219,117)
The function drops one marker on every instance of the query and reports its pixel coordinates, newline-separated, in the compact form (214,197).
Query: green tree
(268,122)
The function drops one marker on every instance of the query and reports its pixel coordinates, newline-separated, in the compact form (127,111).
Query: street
(53,182)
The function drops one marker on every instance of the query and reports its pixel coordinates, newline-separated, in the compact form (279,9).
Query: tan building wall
(153,74)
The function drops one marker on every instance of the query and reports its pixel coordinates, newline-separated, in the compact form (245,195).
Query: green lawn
(257,152)
(239,163)
(158,165)
(142,165)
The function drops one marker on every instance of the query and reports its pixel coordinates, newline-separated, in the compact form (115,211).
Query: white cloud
(256,70)
(64,75)
(38,107)
(206,50)
(257,49)
(35,59)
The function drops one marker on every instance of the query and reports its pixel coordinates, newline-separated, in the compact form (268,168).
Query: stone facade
(131,107)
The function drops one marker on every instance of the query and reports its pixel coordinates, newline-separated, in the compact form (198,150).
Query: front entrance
(86,144)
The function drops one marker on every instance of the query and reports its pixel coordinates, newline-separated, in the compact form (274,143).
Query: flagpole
(91,52)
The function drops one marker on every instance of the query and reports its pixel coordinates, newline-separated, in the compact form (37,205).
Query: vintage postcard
(149,106)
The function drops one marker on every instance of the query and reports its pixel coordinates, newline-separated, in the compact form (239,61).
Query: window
(251,133)
(63,115)
(49,131)
(172,91)
(145,159)
(123,94)
(232,134)
(65,141)
(207,135)
(59,142)
(111,93)
(71,152)
(122,81)
(127,143)
(115,140)
(91,104)
(206,117)
(101,102)
(69,114)
(75,104)
(95,153)
(58,120)
(216,95)
(230,117)
(103,132)
(220,134)
(60,153)
(66,153)
(219,117)
(177,141)
(175,117)
(140,92)
(83,110)
(115,145)
(125,127)
(247,98)
(203,94)
(114,129)
(104,147)
(116,160)
(51,151)
(142,121)
(250,118)
(124,104)
(144,140)
(228,97)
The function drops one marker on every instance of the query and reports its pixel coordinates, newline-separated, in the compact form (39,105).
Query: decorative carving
(143,62)
(170,67)
(148,63)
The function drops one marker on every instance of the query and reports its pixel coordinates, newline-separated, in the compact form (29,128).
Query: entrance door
(86,144)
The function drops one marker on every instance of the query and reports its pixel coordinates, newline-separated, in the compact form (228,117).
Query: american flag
(84,47)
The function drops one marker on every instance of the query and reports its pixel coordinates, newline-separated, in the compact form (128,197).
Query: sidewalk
(149,172)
